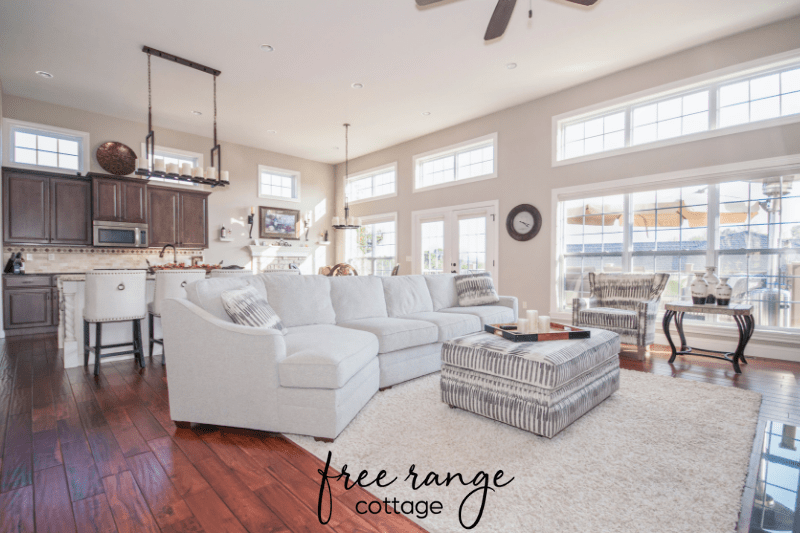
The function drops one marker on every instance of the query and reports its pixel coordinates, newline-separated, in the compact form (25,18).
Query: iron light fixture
(348,222)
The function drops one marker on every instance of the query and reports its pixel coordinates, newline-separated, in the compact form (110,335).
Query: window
(744,97)
(473,160)
(278,184)
(45,147)
(373,184)
(173,155)
(749,228)
(432,247)
(372,249)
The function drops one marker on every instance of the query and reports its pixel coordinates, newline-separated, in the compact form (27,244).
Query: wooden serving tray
(558,332)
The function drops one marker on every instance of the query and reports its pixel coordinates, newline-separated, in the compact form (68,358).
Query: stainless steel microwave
(120,234)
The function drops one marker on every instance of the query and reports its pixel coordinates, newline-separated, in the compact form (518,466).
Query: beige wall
(229,205)
(524,154)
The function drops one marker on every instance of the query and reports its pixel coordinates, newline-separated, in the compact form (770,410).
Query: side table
(741,313)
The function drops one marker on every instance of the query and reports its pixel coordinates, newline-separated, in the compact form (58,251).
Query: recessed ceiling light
(198,113)
(511,66)
(271,131)
(357,86)
(44,74)
(426,113)
(267,48)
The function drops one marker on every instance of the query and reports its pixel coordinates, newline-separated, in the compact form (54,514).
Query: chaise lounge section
(347,338)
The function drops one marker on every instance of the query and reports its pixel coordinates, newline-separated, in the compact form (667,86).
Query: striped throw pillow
(475,289)
(247,307)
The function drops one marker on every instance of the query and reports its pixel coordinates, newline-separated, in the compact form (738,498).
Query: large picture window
(372,249)
(748,229)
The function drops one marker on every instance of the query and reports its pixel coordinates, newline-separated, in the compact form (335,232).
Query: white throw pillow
(476,289)
(248,307)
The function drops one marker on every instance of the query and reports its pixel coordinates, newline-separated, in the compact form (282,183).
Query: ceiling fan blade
(426,2)
(499,20)
(583,2)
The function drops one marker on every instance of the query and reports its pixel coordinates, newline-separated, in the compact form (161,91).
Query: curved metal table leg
(737,355)
(665,324)
(679,324)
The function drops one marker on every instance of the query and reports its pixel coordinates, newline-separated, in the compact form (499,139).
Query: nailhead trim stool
(169,284)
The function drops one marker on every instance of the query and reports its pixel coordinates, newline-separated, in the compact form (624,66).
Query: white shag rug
(659,455)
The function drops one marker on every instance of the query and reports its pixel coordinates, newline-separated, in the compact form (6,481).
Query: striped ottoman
(541,387)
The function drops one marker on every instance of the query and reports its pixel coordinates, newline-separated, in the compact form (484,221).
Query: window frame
(11,125)
(711,81)
(419,159)
(167,152)
(371,173)
(377,219)
(294,174)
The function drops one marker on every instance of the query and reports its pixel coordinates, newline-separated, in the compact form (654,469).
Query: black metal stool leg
(151,336)
(87,342)
(97,349)
(137,337)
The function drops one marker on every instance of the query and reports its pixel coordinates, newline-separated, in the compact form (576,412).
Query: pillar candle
(544,324)
(159,165)
(211,173)
(522,325)
(335,221)
(197,172)
(225,176)
(186,169)
(533,320)
(172,168)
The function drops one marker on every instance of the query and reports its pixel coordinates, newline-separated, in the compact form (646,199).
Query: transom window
(372,184)
(748,228)
(473,160)
(37,145)
(722,100)
(372,249)
(278,183)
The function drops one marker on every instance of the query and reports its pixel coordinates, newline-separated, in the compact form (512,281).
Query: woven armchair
(623,303)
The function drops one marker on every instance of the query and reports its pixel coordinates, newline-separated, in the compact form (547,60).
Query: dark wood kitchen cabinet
(177,217)
(30,304)
(119,199)
(44,208)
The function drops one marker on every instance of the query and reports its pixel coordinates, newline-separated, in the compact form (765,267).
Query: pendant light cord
(149,98)
(215,110)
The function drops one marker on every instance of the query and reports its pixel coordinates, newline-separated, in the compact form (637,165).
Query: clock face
(524,222)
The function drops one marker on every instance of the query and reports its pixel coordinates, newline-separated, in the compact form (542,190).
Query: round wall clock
(524,222)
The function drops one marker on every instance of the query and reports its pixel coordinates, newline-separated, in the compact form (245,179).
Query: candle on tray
(544,324)
(211,173)
(142,164)
(335,221)
(533,320)
(159,165)
(196,172)
(522,325)
(224,176)
(186,169)
(172,168)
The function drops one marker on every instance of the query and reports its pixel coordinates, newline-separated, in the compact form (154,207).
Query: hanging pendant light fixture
(348,222)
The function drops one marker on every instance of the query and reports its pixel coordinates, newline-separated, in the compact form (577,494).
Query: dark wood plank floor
(101,454)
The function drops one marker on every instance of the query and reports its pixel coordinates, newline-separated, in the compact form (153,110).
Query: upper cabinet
(178,217)
(119,200)
(46,209)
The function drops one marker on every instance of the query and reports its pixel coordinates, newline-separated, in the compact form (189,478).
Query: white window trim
(184,153)
(710,80)
(294,173)
(712,174)
(84,157)
(373,172)
(382,217)
(418,159)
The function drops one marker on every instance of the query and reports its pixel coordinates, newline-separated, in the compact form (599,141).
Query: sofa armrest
(219,372)
(646,312)
(510,301)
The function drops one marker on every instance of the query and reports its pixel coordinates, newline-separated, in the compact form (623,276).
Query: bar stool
(219,273)
(114,296)
(169,284)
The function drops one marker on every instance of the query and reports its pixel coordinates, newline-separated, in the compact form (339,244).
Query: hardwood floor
(101,454)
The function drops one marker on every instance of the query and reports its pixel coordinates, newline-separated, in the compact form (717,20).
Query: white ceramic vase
(699,289)
(712,281)
(724,292)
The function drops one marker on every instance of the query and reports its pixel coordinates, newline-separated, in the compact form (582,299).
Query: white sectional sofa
(347,337)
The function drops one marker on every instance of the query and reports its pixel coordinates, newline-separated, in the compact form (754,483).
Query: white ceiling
(409,59)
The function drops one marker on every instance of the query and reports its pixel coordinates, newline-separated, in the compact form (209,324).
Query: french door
(458,239)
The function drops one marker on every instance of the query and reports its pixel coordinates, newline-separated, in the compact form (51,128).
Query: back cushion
(406,295)
(300,300)
(356,297)
(443,290)
(207,293)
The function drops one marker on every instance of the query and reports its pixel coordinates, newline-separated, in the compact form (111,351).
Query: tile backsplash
(82,259)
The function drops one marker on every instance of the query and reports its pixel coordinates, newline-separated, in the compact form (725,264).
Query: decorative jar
(699,289)
(724,292)
(712,281)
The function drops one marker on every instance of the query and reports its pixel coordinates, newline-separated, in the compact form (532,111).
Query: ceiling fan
(502,14)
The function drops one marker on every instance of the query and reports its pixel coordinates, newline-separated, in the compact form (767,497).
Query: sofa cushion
(300,300)
(248,307)
(396,333)
(450,325)
(443,290)
(356,297)
(406,295)
(325,356)
(207,293)
(476,289)
(489,314)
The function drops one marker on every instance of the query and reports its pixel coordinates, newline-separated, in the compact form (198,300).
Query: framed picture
(277,223)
